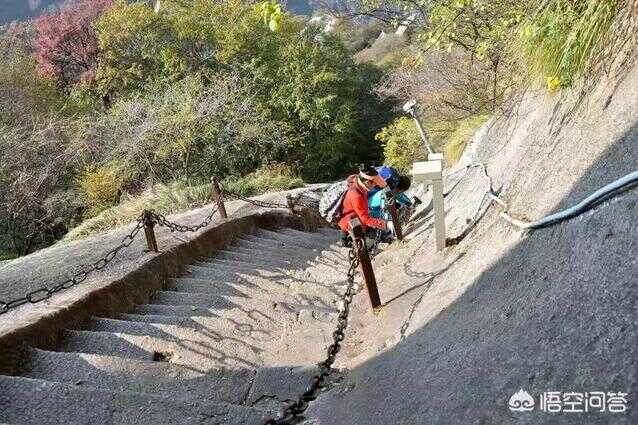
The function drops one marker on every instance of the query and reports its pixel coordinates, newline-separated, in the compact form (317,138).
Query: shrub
(100,188)
(36,178)
(268,178)
(401,144)
(180,196)
(187,131)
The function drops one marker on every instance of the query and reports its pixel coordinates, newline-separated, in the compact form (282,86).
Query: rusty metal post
(149,224)
(396,222)
(219,198)
(365,264)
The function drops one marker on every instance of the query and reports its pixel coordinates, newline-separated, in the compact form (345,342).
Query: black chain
(161,220)
(255,202)
(149,218)
(318,382)
(45,293)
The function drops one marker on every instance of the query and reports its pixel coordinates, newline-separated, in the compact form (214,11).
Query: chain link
(255,202)
(318,382)
(45,293)
(160,219)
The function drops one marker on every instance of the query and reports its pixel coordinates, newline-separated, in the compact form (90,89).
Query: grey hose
(598,196)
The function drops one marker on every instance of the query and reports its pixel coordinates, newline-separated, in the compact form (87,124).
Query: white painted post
(432,171)
(435,157)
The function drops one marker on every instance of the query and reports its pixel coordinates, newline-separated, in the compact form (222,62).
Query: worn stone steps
(29,401)
(228,352)
(232,340)
(264,388)
(310,242)
(255,287)
(230,385)
(261,260)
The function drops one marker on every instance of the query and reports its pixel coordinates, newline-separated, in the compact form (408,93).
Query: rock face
(229,341)
(502,311)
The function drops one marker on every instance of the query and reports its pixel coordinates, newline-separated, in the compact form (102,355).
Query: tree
(138,47)
(66,45)
(24,95)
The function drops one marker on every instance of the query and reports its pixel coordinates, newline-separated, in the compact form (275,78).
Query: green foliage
(271,13)
(164,198)
(401,144)
(563,38)
(357,37)
(458,139)
(268,178)
(24,94)
(100,188)
(179,196)
(201,88)
(137,46)
(388,51)
(187,131)
(478,26)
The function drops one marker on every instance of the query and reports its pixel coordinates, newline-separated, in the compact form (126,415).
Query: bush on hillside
(100,188)
(388,50)
(268,178)
(179,196)
(402,144)
(36,178)
(188,131)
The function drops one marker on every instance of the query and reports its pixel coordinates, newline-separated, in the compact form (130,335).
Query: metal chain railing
(148,217)
(161,220)
(45,293)
(255,202)
(318,382)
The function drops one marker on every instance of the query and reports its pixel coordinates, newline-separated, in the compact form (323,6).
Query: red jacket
(355,204)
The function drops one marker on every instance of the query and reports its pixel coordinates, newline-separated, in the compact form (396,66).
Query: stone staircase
(230,341)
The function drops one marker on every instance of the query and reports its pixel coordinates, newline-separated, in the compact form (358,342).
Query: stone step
(243,264)
(197,354)
(261,251)
(210,286)
(330,232)
(281,289)
(316,236)
(297,254)
(265,388)
(34,401)
(159,377)
(294,240)
(272,314)
(208,301)
(250,258)
(324,272)
(244,326)
(200,299)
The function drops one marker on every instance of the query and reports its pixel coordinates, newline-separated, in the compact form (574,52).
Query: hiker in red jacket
(355,203)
